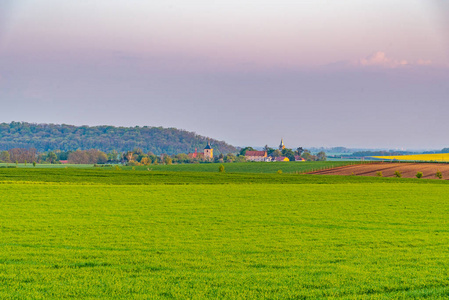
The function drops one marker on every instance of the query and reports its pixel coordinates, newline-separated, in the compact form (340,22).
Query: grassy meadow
(246,167)
(101,233)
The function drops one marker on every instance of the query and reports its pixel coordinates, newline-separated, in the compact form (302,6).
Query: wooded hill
(50,137)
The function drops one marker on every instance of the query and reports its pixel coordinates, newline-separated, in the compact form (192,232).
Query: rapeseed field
(442,157)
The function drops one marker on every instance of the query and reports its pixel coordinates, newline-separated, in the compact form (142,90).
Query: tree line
(136,157)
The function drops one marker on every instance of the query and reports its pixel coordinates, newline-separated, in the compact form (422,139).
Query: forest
(157,140)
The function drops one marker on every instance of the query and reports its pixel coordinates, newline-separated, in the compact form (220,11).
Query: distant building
(256,155)
(195,154)
(299,158)
(282,158)
(282,146)
(208,152)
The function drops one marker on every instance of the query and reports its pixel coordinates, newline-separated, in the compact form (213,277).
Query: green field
(96,233)
(247,167)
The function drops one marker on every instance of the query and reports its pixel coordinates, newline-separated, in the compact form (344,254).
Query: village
(282,154)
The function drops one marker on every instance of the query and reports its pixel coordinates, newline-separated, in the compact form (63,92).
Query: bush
(117,168)
(379,174)
(419,175)
(398,174)
(221,169)
(279,172)
(439,175)
(167,160)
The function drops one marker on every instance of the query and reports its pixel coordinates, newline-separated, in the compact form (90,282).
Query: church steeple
(282,146)
(208,151)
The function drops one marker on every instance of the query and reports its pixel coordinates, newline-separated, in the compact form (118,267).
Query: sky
(353,73)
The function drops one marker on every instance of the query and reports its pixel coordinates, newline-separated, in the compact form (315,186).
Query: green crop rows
(102,234)
(248,167)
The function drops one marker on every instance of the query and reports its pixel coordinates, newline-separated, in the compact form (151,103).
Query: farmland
(442,157)
(96,233)
(247,167)
(407,170)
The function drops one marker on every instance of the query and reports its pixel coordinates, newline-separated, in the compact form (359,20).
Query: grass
(130,177)
(248,167)
(442,157)
(89,233)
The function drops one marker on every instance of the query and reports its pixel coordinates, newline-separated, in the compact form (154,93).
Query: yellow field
(420,157)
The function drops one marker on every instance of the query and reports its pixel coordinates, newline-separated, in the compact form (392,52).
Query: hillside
(49,137)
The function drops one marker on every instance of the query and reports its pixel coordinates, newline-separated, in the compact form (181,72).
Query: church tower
(208,152)
(282,146)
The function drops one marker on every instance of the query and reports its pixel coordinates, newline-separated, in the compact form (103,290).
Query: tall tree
(5,157)
(52,157)
(243,151)
(321,156)
(299,151)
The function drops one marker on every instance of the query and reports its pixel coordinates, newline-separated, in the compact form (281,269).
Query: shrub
(398,174)
(167,160)
(379,174)
(439,175)
(34,163)
(221,169)
(279,172)
(419,175)
(117,168)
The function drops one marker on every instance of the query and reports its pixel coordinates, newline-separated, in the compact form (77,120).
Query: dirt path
(408,170)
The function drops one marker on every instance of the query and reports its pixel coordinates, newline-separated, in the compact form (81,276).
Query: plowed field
(408,170)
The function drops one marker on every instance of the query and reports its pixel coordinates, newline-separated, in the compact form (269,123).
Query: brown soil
(408,170)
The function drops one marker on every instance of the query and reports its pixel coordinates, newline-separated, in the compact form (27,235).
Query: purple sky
(317,73)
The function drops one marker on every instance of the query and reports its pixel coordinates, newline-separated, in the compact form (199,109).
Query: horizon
(370,75)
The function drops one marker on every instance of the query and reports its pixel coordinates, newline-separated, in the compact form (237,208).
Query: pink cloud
(380,59)
(423,62)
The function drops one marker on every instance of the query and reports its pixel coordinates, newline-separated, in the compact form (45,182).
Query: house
(196,155)
(299,158)
(193,155)
(282,158)
(256,155)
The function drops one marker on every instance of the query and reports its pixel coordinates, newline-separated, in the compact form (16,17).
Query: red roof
(256,153)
